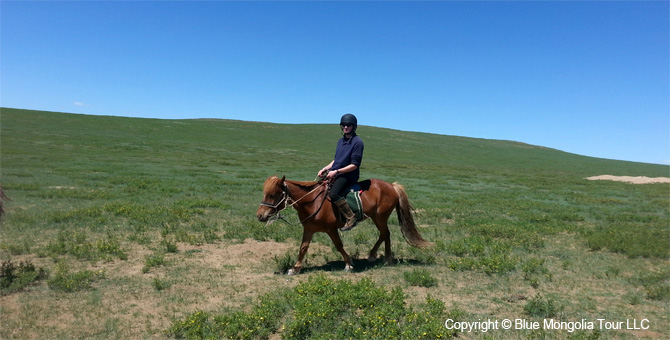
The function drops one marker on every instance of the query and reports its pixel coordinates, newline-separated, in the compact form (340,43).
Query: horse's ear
(283,178)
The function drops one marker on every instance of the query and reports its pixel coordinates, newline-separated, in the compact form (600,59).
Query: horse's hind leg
(373,252)
(384,236)
(337,241)
(306,240)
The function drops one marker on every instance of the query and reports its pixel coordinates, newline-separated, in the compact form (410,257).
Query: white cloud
(79,104)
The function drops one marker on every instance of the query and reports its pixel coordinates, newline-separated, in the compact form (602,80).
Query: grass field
(144,228)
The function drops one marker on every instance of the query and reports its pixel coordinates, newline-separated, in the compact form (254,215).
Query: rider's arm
(348,168)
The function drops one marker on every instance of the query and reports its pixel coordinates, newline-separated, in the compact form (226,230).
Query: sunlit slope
(296,150)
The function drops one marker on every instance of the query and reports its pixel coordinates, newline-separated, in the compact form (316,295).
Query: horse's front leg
(306,240)
(337,241)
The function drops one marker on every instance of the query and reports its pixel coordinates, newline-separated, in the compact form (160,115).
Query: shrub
(421,278)
(422,255)
(534,269)
(461,264)
(497,263)
(210,236)
(66,281)
(541,307)
(656,285)
(155,260)
(17,249)
(284,263)
(77,244)
(262,321)
(612,271)
(170,246)
(160,285)
(473,245)
(15,278)
(483,252)
(110,247)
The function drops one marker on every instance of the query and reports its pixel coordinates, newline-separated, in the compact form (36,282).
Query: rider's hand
(331,174)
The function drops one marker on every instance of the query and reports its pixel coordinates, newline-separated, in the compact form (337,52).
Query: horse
(309,199)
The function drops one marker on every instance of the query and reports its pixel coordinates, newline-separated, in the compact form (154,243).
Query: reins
(320,206)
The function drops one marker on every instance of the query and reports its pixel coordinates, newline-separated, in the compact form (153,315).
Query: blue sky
(591,78)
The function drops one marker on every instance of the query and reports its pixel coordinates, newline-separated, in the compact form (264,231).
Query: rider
(345,167)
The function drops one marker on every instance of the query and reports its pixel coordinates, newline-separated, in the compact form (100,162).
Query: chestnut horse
(317,215)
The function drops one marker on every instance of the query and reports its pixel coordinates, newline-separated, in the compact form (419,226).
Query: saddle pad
(354,201)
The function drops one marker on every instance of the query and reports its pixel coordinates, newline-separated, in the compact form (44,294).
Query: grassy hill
(133,228)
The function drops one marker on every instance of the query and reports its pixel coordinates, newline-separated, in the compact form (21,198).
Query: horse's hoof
(348,268)
(372,259)
(293,271)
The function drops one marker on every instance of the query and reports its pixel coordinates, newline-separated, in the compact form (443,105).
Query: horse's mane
(305,184)
(273,182)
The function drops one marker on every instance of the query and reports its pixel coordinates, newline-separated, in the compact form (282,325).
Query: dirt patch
(631,179)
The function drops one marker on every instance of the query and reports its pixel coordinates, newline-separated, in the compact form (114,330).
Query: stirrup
(351,227)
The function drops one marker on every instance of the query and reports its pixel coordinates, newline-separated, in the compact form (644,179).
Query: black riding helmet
(349,119)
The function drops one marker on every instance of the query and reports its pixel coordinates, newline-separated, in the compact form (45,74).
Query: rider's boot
(344,208)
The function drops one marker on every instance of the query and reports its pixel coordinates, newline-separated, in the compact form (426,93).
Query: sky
(585,77)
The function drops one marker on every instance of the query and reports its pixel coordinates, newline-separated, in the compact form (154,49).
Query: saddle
(360,186)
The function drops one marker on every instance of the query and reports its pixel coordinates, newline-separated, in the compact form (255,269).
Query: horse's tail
(3,197)
(406,220)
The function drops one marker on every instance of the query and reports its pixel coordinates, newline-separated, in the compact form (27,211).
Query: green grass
(421,278)
(166,209)
(65,280)
(656,285)
(323,308)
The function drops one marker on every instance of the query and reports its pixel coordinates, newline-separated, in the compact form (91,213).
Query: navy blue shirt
(349,151)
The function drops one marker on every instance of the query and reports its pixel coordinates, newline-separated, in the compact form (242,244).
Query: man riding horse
(309,198)
(344,170)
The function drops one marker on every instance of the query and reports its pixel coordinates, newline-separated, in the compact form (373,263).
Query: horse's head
(274,198)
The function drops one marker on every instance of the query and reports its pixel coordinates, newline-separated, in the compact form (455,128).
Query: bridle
(288,201)
(284,198)
(276,215)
